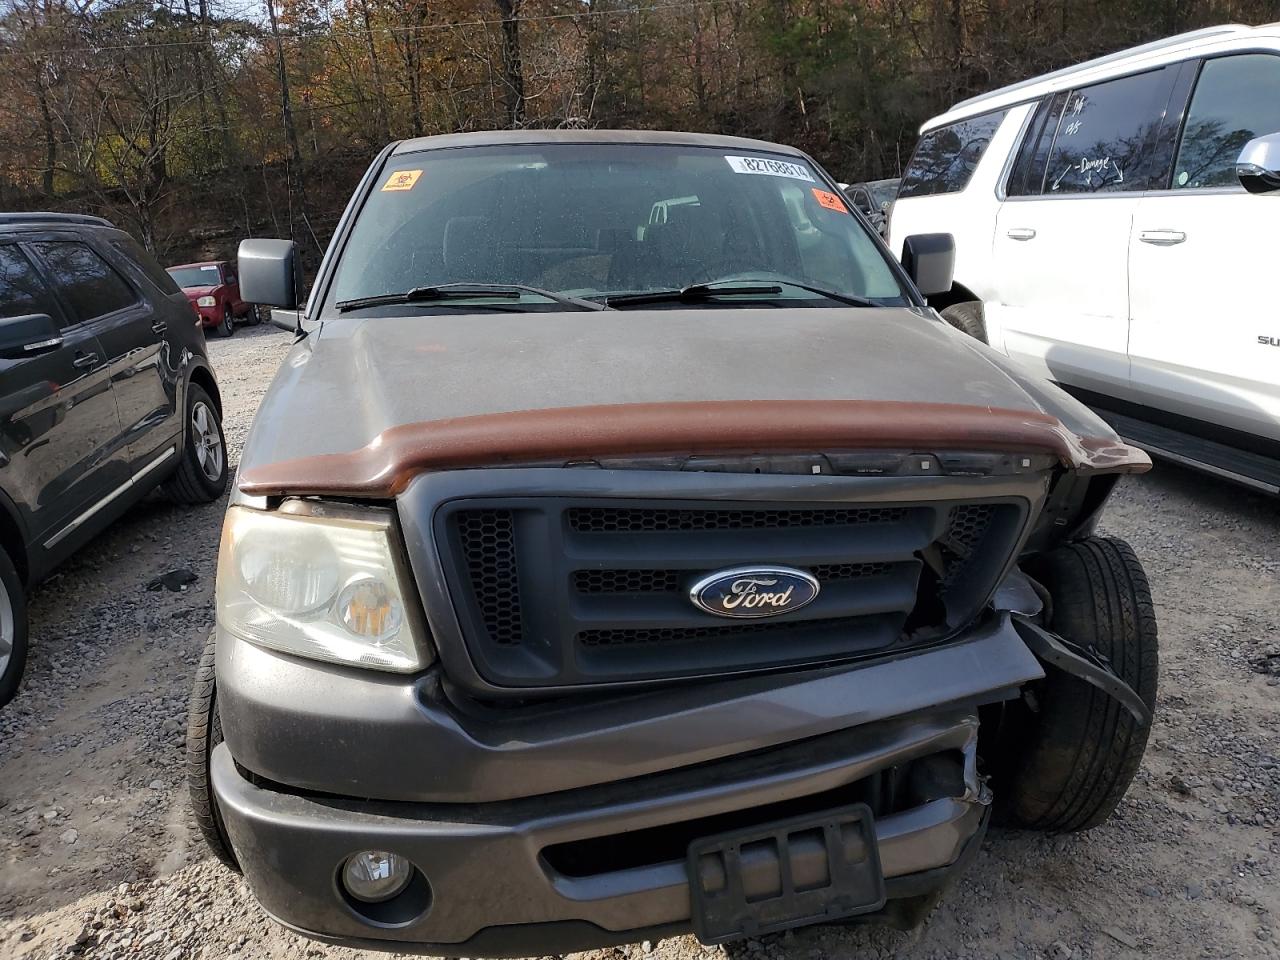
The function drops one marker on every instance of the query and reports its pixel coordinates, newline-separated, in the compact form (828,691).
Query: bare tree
(512,64)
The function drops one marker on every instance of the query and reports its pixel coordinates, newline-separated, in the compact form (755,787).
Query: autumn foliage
(195,122)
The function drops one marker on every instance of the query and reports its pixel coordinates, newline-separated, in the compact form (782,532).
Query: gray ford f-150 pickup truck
(624,548)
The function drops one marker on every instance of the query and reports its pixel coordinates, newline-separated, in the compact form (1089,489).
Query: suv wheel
(1079,749)
(228,325)
(204,732)
(968,318)
(13,629)
(201,476)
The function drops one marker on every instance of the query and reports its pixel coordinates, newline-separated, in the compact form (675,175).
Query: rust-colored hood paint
(363,404)
(384,467)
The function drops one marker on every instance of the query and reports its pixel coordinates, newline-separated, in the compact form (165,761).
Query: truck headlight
(208,301)
(323,586)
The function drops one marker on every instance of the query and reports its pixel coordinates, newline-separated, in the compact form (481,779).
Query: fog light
(375,875)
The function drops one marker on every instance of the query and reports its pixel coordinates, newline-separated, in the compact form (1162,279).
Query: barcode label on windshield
(770,167)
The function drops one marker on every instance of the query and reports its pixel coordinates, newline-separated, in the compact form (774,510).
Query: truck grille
(552,592)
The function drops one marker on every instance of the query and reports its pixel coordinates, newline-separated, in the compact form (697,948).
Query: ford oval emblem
(754,591)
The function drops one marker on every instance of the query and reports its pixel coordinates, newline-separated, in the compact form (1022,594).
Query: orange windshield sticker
(401,180)
(829,200)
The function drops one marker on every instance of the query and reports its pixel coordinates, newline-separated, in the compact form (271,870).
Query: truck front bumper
(523,877)
(568,830)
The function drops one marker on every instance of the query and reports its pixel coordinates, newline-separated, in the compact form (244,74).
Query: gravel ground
(99,858)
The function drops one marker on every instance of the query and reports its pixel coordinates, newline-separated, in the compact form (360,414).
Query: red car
(214,291)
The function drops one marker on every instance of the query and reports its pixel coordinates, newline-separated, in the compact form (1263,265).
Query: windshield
(206,276)
(598,221)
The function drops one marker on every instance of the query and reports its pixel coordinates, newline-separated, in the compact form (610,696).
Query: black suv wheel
(201,476)
(13,629)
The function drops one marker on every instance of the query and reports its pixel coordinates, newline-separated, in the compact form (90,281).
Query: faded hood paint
(342,388)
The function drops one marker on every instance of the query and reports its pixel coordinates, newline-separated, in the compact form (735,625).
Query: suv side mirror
(1258,167)
(29,335)
(930,261)
(269,272)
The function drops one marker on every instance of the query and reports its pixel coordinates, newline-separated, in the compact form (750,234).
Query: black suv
(105,392)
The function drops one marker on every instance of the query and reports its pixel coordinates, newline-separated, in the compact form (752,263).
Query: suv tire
(1080,749)
(201,476)
(13,629)
(968,318)
(204,732)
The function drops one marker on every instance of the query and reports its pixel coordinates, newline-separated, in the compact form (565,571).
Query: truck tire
(228,325)
(13,629)
(1079,750)
(968,318)
(204,732)
(201,476)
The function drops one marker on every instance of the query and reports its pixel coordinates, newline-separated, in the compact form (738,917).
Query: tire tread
(204,732)
(1086,748)
(187,484)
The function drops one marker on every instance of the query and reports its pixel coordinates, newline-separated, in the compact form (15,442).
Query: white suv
(1114,231)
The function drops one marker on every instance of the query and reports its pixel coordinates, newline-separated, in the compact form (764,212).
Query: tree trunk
(512,68)
(297,183)
(379,88)
(50,141)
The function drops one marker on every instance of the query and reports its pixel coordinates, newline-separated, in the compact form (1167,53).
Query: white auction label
(770,167)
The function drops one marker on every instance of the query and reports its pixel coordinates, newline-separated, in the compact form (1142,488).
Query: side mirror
(1258,167)
(269,272)
(286,320)
(930,261)
(29,335)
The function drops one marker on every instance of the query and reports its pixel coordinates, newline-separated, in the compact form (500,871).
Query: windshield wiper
(693,293)
(722,288)
(848,298)
(465,291)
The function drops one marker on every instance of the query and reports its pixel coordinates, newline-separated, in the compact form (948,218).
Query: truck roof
(486,138)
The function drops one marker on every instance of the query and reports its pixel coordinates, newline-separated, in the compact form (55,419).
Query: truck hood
(354,385)
(195,293)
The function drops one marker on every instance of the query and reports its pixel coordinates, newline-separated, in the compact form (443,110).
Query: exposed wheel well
(958,293)
(202,376)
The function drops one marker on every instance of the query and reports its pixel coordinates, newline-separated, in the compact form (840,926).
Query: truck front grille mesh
(553,592)
(489,548)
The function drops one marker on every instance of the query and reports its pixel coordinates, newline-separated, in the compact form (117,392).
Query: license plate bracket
(810,869)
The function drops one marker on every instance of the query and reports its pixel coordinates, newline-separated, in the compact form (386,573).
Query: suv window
(136,254)
(1026,178)
(945,158)
(1236,99)
(1104,135)
(22,292)
(89,283)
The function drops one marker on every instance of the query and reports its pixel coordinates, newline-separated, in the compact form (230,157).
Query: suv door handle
(1022,233)
(1162,238)
(160,326)
(85,360)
